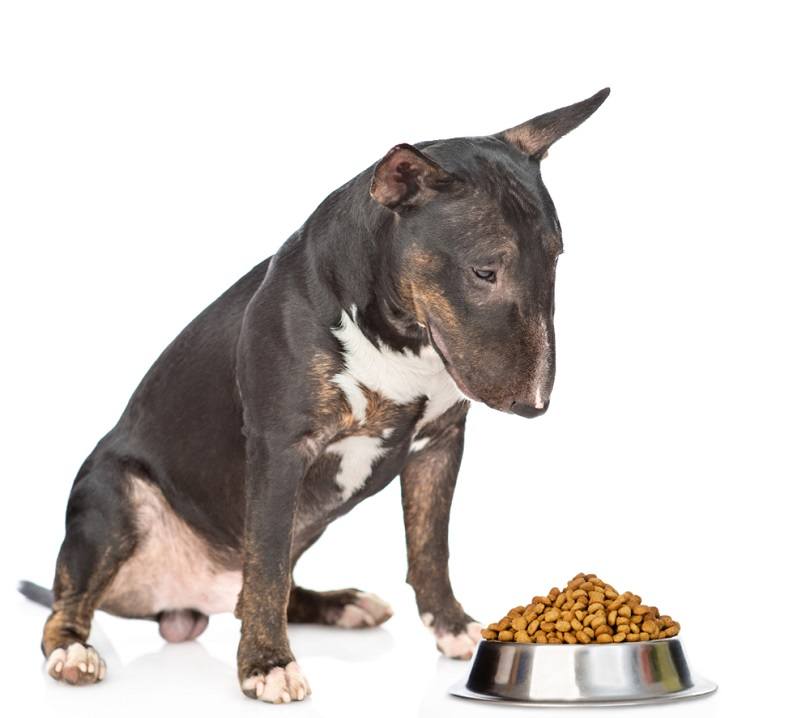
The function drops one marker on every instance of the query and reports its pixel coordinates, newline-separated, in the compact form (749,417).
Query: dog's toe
(279,685)
(77,665)
(459,645)
(367,609)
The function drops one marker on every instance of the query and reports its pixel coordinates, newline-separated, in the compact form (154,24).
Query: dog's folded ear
(537,135)
(407,178)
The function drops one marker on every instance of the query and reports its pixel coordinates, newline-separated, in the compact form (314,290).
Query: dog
(345,360)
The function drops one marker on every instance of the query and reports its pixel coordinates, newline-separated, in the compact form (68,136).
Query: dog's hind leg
(347,608)
(99,537)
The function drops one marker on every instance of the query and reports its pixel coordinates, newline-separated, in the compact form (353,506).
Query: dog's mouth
(438,343)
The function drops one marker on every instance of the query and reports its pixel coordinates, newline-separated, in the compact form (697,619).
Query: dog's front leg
(267,668)
(428,481)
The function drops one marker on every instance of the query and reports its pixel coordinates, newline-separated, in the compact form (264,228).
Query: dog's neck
(351,241)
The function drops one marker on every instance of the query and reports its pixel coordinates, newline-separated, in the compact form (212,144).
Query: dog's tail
(36,593)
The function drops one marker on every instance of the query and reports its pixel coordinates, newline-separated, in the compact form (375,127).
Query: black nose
(527,410)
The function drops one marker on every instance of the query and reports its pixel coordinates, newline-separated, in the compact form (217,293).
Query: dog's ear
(536,136)
(407,178)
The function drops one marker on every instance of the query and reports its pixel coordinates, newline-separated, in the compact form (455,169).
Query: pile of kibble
(588,610)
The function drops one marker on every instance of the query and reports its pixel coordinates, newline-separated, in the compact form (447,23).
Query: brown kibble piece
(649,626)
(519,623)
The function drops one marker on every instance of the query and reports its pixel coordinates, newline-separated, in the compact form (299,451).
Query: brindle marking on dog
(306,388)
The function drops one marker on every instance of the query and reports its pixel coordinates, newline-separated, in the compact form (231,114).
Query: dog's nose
(529,411)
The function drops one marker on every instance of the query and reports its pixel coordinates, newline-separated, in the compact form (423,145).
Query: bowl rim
(580,645)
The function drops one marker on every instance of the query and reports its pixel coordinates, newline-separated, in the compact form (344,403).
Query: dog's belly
(172,567)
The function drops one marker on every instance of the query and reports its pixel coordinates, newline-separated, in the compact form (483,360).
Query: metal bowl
(591,674)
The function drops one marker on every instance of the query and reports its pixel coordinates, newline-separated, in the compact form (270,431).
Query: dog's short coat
(343,361)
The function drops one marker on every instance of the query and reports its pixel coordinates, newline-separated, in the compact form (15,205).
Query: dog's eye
(488,275)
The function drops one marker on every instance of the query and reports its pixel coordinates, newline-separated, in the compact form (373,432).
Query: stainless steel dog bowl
(591,674)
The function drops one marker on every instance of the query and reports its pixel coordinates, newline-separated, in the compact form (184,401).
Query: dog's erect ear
(536,136)
(407,178)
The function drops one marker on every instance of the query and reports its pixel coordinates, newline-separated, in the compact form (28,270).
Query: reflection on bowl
(589,674)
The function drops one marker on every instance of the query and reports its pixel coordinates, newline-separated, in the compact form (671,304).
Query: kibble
(588,610)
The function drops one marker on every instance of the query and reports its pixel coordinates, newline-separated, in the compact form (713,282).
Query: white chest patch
(357,456)
(398,376)
(401,377)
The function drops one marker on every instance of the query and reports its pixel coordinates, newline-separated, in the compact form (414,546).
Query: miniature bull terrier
(345,360)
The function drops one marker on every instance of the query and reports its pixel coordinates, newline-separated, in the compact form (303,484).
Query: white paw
(77,664)
(368,609)
(456,645)
(280,685)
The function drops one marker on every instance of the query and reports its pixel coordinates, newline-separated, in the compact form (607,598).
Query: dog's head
(476,246)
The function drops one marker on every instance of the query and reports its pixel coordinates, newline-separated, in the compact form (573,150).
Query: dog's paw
(366,609)
(452,644)
(78,665)
(279,685)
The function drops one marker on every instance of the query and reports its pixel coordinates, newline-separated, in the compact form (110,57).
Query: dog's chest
(383,387)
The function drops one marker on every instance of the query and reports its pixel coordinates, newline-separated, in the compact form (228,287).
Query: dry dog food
(588,610)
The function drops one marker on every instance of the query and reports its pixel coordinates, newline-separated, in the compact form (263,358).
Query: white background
(152,152)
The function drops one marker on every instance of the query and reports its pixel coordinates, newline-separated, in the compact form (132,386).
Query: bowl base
(699,688)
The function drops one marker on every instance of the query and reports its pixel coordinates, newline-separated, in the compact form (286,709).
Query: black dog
(343,361)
